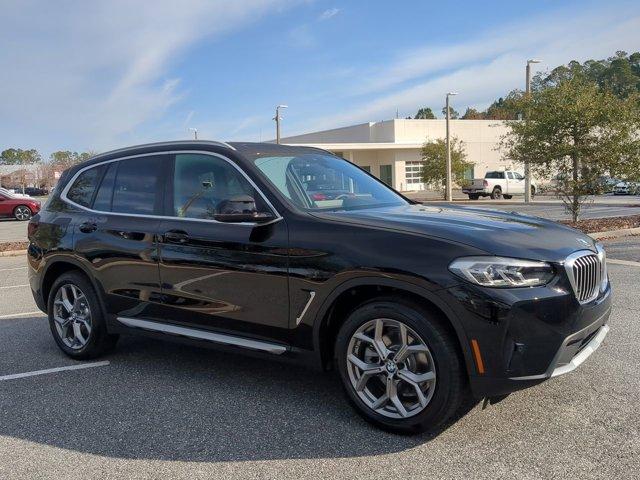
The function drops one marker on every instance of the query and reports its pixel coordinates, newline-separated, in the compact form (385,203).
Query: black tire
(22,213)
(450,386)
(533,191)
(99,340)
(474,196)
(496,194)
(507,197)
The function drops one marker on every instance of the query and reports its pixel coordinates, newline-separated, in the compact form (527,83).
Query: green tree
(434,157)
(17,156)
(425,113)
(453,113)
(576,131)
(64,159)
(472,114)
(507,108)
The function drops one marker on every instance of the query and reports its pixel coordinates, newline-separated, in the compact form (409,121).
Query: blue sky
(100,75)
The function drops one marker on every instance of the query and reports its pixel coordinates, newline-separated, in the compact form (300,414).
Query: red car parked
(21,208)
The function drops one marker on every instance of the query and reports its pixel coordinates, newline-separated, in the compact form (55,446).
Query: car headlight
(502,271)
(604,276)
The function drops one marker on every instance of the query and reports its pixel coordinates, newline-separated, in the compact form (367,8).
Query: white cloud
(329,13)
(481,68)
(88,74)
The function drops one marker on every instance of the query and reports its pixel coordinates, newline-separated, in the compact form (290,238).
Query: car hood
(493,231)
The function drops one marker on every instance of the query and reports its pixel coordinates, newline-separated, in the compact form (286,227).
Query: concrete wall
(480,138)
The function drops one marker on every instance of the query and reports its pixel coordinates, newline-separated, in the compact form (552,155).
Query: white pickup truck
(497,184)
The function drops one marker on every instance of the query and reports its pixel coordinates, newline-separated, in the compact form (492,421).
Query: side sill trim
(214,337)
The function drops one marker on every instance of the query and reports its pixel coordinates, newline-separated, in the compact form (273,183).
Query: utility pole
(527,167)
(448,196)
(277,118)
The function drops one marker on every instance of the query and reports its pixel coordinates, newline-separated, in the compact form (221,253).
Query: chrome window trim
(569,263)
(70,183)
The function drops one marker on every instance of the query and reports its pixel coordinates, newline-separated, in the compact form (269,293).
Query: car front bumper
(526,336)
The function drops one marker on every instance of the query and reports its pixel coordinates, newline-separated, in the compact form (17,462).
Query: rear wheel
(474,196)
(496,194)
(22,213)
(76,319)
(399,366)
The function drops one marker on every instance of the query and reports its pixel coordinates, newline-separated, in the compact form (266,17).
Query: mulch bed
(6,247)
(593,225)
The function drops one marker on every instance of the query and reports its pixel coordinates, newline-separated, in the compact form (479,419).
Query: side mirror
(241,209)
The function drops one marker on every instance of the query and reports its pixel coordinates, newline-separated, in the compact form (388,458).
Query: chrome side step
(203,335)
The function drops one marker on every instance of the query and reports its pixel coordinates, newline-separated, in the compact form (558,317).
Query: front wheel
(22,213)
(399,366)
(533,192)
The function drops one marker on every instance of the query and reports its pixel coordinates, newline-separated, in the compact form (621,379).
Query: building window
(366,168)
(413,172)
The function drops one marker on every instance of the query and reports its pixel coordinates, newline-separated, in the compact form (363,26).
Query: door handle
(88,227)
(176,236)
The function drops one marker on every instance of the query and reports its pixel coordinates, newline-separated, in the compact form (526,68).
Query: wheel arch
(347,296)
(59,266)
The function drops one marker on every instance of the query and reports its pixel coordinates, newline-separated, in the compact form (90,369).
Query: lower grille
(585,272)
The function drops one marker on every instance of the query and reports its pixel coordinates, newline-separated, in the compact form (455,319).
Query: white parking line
(15,286)
(53,370)
(24,314)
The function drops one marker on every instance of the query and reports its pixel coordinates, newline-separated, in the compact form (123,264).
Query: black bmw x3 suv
(418,307)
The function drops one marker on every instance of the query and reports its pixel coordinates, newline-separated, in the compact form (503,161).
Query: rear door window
(104,195)
(136,186)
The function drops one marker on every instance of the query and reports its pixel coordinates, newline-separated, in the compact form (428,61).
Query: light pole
(195,133)
(448,196)
(527,168)
(277,118)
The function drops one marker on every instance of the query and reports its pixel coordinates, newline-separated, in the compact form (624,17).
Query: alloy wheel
(391,369)
(72,316)
(23,213)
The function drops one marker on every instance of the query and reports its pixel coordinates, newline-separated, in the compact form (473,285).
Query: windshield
(7,193)
(324,182)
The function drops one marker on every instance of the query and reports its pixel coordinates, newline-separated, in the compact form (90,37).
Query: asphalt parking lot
(163,410)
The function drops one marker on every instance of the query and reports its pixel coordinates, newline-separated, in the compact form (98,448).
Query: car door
(228,277)
(520,182)
(115,231)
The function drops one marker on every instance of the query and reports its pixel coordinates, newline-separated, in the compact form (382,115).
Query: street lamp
(195,132)
(277,118)
(448,196)
(527,169)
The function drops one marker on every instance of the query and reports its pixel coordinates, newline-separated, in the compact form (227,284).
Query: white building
(391,149)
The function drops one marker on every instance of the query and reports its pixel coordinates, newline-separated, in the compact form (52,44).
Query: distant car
(20,207)
(11,192)
(497,184)
(36,191)
(627,188)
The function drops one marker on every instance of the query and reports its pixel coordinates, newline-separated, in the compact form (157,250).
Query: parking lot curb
(13,253)
(623,232)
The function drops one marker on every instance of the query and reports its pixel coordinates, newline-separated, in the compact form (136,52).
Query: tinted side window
(494,175)
(104,195)
(510,175)
(518,176)
(202,182)
(82,190)
(136,186)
